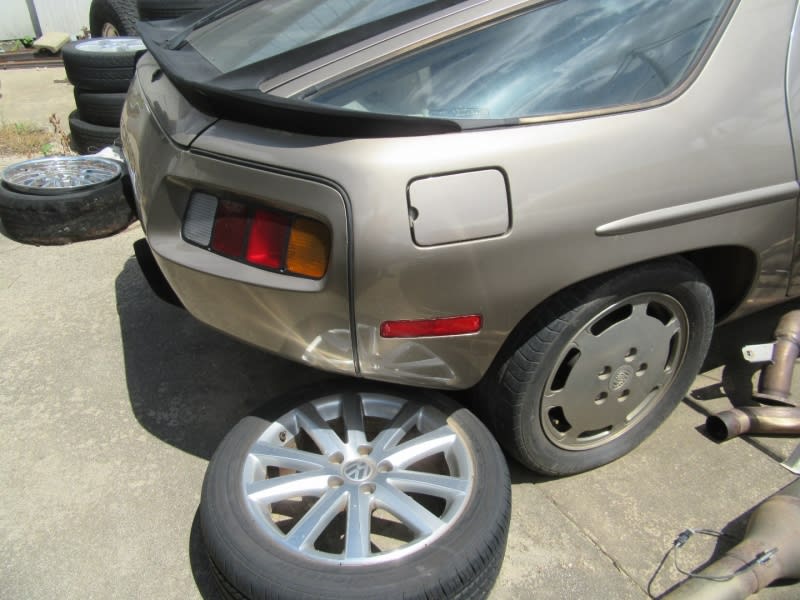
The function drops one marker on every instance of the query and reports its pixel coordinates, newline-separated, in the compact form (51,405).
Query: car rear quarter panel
(725,141)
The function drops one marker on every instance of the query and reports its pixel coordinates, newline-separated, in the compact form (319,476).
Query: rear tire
(599,366)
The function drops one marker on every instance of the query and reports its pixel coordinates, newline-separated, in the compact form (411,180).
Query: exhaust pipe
(769,551)
(755,420)
(775,383)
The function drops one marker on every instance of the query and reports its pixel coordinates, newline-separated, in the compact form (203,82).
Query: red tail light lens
(267,242)
(264,238)
(230,226)
(432,327)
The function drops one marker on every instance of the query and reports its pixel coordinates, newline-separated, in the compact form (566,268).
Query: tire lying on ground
(102,64)
(154,10)
(359,494)
(111,18)
(98,108)
(60,200)
(89,138)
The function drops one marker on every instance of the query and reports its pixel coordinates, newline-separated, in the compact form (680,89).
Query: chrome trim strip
(683,213)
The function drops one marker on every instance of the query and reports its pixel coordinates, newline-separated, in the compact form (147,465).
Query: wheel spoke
(303,535)
(402,423)
(274,489)
(287,458)
(319,506)
(318,429)
(424,446)
(415,516)
(359,513)
(353,417)
(432,484)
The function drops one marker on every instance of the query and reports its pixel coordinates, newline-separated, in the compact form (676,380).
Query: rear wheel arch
(730,271)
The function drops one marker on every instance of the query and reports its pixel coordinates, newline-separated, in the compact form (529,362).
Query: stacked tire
(59,200)
(112,18)
(154,10)
(101,70)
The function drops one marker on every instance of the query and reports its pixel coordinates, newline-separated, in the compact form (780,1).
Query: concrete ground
(112,402)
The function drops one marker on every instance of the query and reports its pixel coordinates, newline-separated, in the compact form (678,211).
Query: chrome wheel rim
(57,175)
(357,479)
(110,30)
(111,44)
(614,371)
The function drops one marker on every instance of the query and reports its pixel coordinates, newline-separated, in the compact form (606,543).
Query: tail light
(265,238)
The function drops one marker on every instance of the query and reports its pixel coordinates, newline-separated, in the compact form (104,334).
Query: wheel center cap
(620,378)
(358,470)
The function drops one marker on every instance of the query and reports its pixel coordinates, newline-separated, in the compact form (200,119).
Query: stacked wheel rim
(59,200)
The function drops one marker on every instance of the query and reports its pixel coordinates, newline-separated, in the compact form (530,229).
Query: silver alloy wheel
(111,45)
(614,371)
(110,30)
(354,479)
(60,174)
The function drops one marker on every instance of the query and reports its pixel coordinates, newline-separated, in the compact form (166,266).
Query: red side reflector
(230,226)
(267,241)
(432,327)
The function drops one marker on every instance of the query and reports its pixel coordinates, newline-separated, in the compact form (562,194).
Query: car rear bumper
(301,319)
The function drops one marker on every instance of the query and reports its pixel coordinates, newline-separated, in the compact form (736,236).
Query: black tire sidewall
(120,13)
(65,218)
(89,138)
(153,10)
(529,442)
(103,109)
(249,561)
(99,71)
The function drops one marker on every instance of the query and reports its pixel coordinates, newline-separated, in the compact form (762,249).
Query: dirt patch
(30,140)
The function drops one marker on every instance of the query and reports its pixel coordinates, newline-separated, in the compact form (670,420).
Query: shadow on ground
(189,384)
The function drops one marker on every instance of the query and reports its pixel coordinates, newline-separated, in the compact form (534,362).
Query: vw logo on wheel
(358,470)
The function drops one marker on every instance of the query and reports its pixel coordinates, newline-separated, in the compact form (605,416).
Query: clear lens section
(199,222)
(560,57)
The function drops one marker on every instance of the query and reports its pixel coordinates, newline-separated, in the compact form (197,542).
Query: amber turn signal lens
(309,248)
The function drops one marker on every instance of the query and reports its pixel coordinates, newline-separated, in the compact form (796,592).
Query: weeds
(29,140)
(62,137)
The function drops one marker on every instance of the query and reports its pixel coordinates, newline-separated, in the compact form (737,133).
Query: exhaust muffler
(769,551)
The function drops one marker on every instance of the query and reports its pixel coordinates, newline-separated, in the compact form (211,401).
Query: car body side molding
(683,213)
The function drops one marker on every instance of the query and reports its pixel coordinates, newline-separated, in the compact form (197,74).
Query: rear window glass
(560,57)
(273,27)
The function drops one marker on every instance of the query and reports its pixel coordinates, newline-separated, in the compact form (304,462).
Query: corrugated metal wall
(68,16)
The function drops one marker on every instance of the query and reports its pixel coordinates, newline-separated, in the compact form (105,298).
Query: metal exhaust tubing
(775,382)
(769,551)
(755,420)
